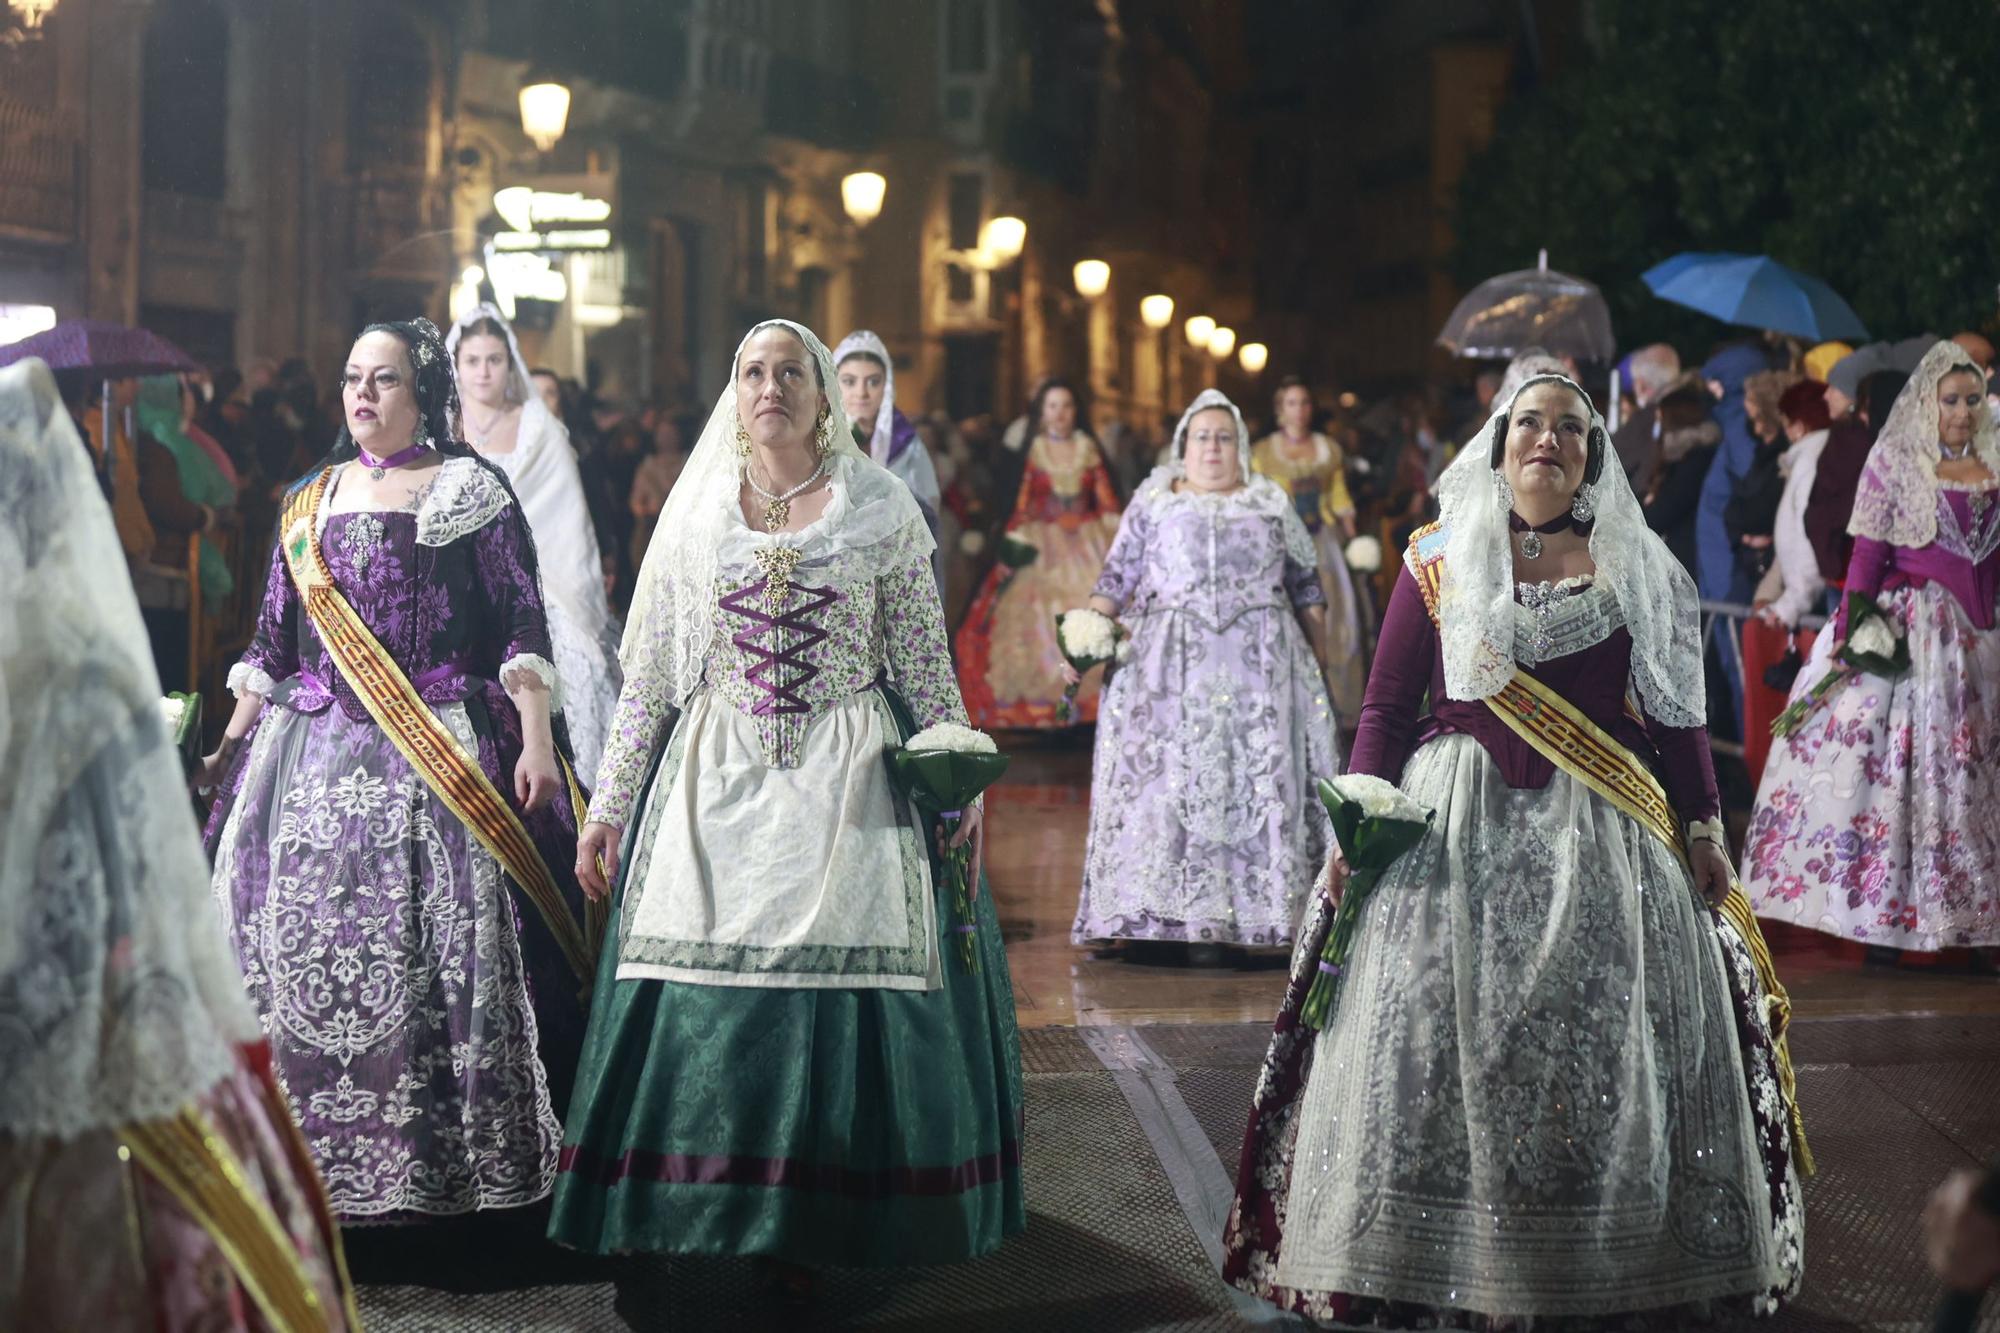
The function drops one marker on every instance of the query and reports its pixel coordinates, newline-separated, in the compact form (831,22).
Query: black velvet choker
(1531,545)
(1515,523)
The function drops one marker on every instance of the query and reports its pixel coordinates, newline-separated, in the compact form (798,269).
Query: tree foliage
(1855,140)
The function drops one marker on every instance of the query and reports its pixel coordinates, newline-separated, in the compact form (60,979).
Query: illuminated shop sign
(551,220)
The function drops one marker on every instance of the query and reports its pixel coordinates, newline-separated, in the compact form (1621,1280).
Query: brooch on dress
(777,563)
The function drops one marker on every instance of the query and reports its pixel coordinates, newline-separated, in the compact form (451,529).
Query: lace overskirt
(1532,1097)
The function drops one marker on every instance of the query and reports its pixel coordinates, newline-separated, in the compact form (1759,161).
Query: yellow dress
(1317,483)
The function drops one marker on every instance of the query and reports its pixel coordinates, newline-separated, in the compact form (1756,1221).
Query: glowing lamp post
(32,12)
(1093,278)
(861,194)
(1200,328)
(1222,342)
(1253,357)
(1156,311)
(1002,239)
(544,112)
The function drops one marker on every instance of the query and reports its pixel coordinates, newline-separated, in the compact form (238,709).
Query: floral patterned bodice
(449,586)
(1068,492)
(844,623)
(1217,557)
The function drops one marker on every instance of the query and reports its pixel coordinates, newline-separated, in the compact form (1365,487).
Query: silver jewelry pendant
(1531,544)
(377,473)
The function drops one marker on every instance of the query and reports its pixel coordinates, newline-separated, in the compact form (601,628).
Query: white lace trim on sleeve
(246,679)
(515,668)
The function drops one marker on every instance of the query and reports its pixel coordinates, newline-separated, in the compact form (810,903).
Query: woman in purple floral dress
(1875,821)
(393,849)
(1203,823)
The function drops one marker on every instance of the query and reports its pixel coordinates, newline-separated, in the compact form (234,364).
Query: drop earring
(1583,506)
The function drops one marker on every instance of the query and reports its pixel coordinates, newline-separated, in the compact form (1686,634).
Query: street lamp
(1157,311)
(544,111)
(1222,342)
(1002,239)
(1253,357)
(861,194)
(1200,328)
(1093,278)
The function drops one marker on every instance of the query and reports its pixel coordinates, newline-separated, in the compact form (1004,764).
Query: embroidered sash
(432,751)
(1588,753)
(189,1159)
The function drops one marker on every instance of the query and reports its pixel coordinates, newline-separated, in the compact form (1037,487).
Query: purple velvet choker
(377,466)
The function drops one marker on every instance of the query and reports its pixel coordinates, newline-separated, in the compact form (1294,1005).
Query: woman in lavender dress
(421,998)
(1874,822)
(1204,826)
(1547,1095)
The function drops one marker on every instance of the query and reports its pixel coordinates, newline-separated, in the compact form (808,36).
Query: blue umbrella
(1758,291)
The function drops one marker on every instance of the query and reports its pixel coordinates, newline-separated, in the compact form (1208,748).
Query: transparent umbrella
(1536,307)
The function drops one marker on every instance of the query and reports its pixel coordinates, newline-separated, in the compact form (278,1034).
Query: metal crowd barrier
(1730,618)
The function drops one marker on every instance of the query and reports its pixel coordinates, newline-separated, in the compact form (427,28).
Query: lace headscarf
(1896,501)
(119,998)
(863,343)
(673,609)
(1258,490)
(1477,607)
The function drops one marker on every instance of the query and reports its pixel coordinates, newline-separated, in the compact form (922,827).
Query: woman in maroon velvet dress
(1546,1090)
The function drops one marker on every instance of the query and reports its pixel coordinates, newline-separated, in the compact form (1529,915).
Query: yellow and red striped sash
(416,732)
(189,1158)
(1588,753)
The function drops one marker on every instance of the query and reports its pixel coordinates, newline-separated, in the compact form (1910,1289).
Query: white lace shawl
(542,470)
(1477,613)
(701,528)
(1896,500)
(119,998)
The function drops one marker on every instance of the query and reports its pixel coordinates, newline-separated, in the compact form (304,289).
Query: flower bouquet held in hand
(1087,639)
(1014,556)
(943,769)
(182,712)
(1875,646)
(1363,555)
(1374,823)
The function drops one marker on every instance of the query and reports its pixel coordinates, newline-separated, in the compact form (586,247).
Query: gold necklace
(778,508)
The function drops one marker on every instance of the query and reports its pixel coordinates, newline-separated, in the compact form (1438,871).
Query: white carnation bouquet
(1087,639)
(1364,555)
(182,714)
(1876,646)
(1374,823)
(943,769)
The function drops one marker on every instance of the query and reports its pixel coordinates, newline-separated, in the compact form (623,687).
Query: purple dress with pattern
(423,1023)
(1204,825)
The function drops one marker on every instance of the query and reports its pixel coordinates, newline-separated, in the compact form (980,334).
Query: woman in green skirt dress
(782,1061)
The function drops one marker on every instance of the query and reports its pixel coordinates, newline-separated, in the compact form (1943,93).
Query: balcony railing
(39,158)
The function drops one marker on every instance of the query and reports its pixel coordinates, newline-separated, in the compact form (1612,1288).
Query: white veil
(866,343)
(701,528)
(1896,500)
(1258,490)
(1655,595)
(543,472)
(119,998)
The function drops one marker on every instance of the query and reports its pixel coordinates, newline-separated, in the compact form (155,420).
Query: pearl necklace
(778,508)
